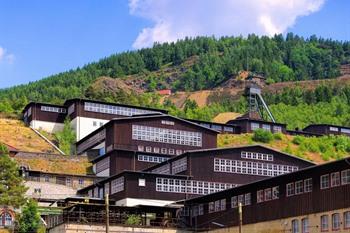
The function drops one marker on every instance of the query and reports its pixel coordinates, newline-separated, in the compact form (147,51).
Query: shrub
(277,136)
(133,219)
(261,135)
(297,140)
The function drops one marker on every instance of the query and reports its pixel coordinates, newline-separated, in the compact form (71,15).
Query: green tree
(29,220)
(261,135)
(66,138)
(12,188)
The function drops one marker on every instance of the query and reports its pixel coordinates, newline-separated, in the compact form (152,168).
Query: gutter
(48,141)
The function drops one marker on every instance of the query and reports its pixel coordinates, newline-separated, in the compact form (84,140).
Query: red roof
(10,148)
(164,92)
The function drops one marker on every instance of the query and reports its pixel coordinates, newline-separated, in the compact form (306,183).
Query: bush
(297,140)
(277,136)
(133,219)
(261,135)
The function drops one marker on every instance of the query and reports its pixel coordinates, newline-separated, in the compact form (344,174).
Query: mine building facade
(327,129)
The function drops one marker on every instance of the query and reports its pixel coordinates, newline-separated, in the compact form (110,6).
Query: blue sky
(41,38)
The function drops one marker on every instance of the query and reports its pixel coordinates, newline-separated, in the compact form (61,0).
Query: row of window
(163,135)
(333,179)
(52,109)
(251,168)
(111,109)
(244,199)
(276,128)
(299,187)
(97,123)
(219,205)
(228,129)
(190,186)
(336,129)
(179,165)
(324,223)
(51,179)
(158,150)
(165,122)
(151,158)
(256,156)
(268,194)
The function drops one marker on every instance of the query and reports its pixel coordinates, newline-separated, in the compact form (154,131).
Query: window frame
(333,222)
(321,181)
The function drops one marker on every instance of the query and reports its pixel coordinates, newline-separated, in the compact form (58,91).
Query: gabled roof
(67,102)
(41,103)
(194,152)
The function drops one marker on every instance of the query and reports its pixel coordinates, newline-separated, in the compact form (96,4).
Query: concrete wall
(48,190)
(284,225)
(50,127)
(76,228)
(84,125)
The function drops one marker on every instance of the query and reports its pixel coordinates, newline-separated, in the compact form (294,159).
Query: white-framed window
(211,208)
(81,181)
(151,158)
(117,185)
(171,151)
(247,199)
(148,149)
(290,189)
(347,220)
(178,152)
(116,110)
(156,149)
(268,194)
(335,221)
(140,148)
(200,209)
(275,192)
(345,177)
(266,127)
(179,165)
(165,122)
(277,129)
(305,225)
(299,187)
(52,109)
(217,127)
(164,151)
(308,185)
(190,186)
(334,129)
(251,167)
(142,182)
(68,181)
(254,126)
(223,204)
(260,196)
(234,202)
(228,129)
(256,156)
(335,179)
(324,181)
(169,136)
(324,223)
(295,226)
(344,130)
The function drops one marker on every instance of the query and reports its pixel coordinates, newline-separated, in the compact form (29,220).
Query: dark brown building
(327,129)
(248,125)
(157,133)
(222,128)
(317,197)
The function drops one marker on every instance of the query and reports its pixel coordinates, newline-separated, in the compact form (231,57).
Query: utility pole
(240,216)
(107,212)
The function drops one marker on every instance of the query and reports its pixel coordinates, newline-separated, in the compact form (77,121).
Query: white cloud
(5,56)
(176,19)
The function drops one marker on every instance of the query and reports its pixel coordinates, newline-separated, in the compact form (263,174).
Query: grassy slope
(285,145)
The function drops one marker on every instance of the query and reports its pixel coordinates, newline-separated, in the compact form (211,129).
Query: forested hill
(201,63)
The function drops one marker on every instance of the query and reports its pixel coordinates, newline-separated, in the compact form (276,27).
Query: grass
(318,150)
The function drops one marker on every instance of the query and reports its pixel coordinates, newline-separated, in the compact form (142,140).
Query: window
(228,129)
(251,168)
(254,126)
(164,151)
(179,165)
(178,152)
(347,220)
(325,181)
(332,128)
(275,192)
(68,181)
(211,208)
(345,177)
(171,151)
(94,123)
(335,179)
(268,194)
(295,226)
(112,109)
(53,109)
(299,186)
(256,156)
(223,204)
(308,185)
(241,199)
(142,182)
(277,129)
(156,149)
(335,222)
(305,225)
(190,186)
(234,202)
(117,185)
(37,191)
(266,127)
(247,199)
(140,148)
(200,209)
(148,149)
(5,219)
(324,223)
(343,130)
(47,179)
(260,196)
(164,122)
(169,136)
(151,158)
(290,189)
